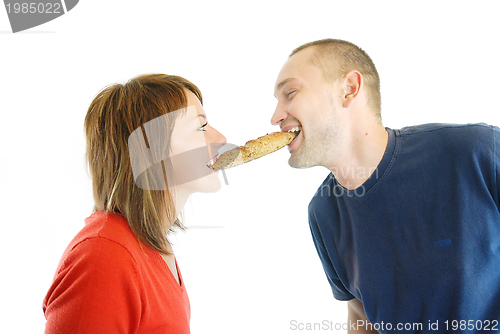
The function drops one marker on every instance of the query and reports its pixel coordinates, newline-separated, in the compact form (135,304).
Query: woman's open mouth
(211,162)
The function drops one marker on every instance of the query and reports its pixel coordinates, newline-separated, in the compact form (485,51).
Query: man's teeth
(295,129)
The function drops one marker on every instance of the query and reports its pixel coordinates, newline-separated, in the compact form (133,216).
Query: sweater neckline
(161,262)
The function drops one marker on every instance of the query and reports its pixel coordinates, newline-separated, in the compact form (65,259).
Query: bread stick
(253,149)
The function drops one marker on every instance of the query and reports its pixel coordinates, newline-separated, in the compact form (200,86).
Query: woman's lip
(212,169)
(212,159)
(211,162)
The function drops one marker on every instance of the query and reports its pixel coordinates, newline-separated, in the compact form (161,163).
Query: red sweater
(105,283)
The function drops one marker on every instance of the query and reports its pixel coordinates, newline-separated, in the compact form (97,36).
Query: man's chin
(297,161)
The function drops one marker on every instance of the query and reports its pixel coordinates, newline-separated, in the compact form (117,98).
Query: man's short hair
(337,57)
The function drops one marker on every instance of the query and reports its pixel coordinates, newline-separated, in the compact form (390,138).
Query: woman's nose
(218,138)
(215,140)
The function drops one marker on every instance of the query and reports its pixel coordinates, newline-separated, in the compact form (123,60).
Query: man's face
(307,101)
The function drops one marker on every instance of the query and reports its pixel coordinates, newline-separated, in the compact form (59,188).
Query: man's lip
(288,127)
(293,142)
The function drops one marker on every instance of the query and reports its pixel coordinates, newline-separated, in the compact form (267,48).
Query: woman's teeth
(211,162)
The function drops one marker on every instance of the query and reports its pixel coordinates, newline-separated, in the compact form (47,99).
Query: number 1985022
(471,325)
(42,8)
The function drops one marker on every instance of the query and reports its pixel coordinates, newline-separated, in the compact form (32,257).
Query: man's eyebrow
(284,82)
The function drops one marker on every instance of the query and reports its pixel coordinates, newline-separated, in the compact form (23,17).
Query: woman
(148,147)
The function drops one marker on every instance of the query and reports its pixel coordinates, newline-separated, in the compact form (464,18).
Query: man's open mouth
(296,130)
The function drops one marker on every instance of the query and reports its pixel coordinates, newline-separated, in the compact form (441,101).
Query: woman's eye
(202,128)
(290,93)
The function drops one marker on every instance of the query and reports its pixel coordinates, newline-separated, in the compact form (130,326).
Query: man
(407,225)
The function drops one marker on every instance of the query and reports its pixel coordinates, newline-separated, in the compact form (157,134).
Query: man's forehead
(287,74)
(294,67)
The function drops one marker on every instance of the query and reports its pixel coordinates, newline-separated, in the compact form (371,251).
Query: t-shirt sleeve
(94,291)
(338,288)
(496,162)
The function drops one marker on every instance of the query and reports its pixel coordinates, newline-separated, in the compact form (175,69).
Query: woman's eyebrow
(202,116)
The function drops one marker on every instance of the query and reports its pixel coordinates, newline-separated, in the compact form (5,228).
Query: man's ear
(353,82)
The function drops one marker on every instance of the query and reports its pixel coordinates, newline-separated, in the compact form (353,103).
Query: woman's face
(193,144)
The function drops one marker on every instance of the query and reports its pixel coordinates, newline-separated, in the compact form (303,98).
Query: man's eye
(290,93)
(202,128)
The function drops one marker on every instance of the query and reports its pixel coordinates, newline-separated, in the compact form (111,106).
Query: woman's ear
(353,82)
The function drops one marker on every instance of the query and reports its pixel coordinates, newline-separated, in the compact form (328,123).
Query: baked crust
(254,149)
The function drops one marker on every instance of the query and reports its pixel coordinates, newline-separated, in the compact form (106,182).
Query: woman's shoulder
(104,234)
(97,279)
(108,225)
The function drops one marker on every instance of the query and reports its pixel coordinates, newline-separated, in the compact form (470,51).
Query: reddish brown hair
(113,115)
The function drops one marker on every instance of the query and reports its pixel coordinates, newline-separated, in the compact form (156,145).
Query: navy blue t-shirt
(419,241)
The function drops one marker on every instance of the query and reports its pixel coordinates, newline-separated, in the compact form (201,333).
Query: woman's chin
(213,186)
(215,189)
(207,184)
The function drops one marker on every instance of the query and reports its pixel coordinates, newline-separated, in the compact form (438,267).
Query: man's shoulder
(324,191)
(456,137)
(447,129)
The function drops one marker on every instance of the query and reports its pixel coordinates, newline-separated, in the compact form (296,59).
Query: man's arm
(355,313)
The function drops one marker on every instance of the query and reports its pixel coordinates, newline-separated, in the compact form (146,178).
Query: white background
(258,271)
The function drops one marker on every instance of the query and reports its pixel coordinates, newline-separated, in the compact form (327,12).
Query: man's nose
(279,115)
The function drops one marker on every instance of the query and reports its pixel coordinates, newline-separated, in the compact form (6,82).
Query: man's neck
(360,155)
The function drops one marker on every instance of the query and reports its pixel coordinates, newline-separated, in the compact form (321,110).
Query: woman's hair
(112,117)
